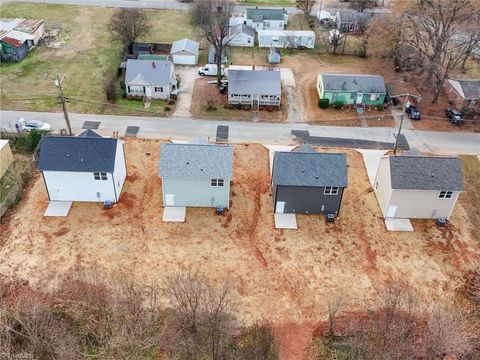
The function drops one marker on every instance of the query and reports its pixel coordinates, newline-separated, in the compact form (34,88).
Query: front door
(359,98)
(169,200)
(280,208)
(148,91)
(392,209)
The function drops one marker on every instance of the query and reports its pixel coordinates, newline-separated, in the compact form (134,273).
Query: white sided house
(286,38)
(418,187)
(87,167)
(185,52)
(241,35)
(150,79)
(196,174)
(266,19)
(254,88)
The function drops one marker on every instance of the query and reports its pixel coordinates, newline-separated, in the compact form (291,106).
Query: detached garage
(185,52)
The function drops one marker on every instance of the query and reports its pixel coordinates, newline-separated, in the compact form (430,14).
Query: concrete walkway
(371,159)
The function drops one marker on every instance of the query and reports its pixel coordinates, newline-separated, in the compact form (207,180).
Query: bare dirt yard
(282,276)
(207,102)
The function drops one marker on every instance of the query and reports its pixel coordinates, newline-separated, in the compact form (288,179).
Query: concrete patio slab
(398,225)
(371,159)
(285,221)
(58,208)
(273,148)
(174,214)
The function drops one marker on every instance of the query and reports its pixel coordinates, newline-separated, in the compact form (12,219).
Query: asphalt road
(247,132)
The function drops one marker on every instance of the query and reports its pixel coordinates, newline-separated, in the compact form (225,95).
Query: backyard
(282,276)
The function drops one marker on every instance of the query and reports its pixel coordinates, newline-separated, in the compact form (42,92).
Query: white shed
(286,38)
(423,187)
(185,52)
(241,35)
(87,167)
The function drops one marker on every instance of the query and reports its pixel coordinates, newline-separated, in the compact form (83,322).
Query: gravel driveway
(187,75)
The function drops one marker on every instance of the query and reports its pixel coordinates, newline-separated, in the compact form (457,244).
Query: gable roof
(185,45)
(353,83)
(196,161)
(89,133)
(468,89)
(426,173)
(304,167)
(241,29)
(77,154)
(261,82)
(148,72)
(357,17)
(259,15)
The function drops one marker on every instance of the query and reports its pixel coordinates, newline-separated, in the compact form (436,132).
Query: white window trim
(445,194)
(330,190)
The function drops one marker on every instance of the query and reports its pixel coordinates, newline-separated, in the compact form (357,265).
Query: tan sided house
(423,187)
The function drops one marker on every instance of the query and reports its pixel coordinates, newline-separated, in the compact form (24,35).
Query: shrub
(380,107)
(323,103)
(362,53)
(167,108)
(171,102)
(338,104)
(33,138)
(211,105)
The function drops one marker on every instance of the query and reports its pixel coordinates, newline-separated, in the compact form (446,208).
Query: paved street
(243,131)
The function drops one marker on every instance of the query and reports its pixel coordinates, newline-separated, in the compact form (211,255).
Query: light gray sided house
(266,19)
(151,79)
(254,88)
(185,52)
(241,35)
(87,167)
(307,182)
(196,174)
(422,187)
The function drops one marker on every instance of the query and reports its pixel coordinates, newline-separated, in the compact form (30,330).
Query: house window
(158,88)
(445,194)
(352,96)
(330,190)
(334,96)
(267,23)
(217,182)
(373,97)
(100,176)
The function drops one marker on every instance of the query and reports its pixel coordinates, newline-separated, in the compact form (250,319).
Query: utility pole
(63,102)
(404,106)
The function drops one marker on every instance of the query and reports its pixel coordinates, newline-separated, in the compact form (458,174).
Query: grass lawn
(85,60)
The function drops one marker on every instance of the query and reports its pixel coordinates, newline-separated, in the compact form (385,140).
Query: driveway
(295,113)
(187,76)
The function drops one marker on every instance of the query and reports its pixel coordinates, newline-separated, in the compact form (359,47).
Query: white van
(210,70)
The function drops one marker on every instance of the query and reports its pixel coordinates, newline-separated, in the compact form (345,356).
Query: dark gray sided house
(307,182)
(196,174)
(354,22)
(254,87)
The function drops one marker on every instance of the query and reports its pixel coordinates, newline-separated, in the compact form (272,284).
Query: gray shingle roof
(196,161)
(426,173)
(308,168)
(185,45)
(89,133)
(258,15)
(471,88)
(77,154)
(148,72)
(353,83)
(361,18)
(241,29)
(254,82)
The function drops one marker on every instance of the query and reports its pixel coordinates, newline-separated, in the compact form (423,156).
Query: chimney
(153,64)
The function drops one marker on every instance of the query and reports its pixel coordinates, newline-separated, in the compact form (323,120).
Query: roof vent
(188,163)
(81,160)
(344,85)
(68,155)
(201,169)
(316,177)
(303,171)
(153,64)
(355,81)
(433,175)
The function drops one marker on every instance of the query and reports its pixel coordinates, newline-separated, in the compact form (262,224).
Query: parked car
(33,124)
(412,112)
(223,87)
(454,116)
(210,70)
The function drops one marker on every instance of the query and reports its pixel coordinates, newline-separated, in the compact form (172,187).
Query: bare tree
(470,35)
(333,306)
(306,6)
(447,334)
(362,5)
(127,25)
(212,17)
(432,29)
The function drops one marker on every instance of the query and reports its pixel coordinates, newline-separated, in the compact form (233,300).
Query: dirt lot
(205,92)
(282,276)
